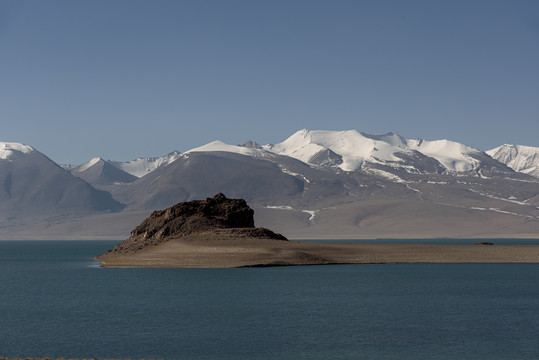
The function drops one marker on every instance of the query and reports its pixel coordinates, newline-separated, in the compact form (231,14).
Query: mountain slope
(142,166)
(196,174)
(33,185)
(100,172)
(297,199)
(524,159)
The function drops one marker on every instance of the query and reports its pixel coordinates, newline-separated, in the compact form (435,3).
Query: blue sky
(123,79)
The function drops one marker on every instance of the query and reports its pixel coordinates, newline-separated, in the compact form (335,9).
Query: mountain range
(315,184)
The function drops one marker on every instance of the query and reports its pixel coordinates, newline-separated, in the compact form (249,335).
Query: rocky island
(219,232)
(216,232)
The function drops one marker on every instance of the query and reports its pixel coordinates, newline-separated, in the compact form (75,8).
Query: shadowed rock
(215,214)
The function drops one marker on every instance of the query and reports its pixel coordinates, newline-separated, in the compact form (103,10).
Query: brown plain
(223,250)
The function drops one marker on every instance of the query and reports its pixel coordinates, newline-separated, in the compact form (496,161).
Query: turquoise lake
(57,302)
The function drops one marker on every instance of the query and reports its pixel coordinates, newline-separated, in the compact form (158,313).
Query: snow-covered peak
(452,155)
(89,164)
(350,149)
(221,146)
(390,138)
(142,166)
(520,158)
(355,148)
(8,149)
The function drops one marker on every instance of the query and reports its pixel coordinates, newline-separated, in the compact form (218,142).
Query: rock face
(218,214)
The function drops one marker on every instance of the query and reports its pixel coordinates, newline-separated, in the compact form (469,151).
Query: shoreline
(297,238)
(419,237)
(200,252)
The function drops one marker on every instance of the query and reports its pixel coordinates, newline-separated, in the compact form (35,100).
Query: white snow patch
(504,212)
(411,188)
(510,213)
(88,164)
(385,174)
(7,149)
(286,171)
(481,175)
(501,199)
(491,209)
(280,207)
(313,213)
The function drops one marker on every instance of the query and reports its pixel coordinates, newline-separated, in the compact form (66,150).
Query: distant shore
(199,251)
(61,358)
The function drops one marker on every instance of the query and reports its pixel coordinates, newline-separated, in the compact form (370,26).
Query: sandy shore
(226,252)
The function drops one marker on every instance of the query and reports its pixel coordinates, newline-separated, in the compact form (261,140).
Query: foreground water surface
(57,302)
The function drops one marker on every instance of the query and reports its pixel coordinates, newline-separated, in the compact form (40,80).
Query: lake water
(56,301)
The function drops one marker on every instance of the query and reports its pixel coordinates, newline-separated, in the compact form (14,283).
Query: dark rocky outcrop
(484,243)
(251,145)
(213,215)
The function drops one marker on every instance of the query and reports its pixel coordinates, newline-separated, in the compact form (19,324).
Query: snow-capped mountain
(352,150)
(348,150)
(100,172)
(199,173)
(138,167)
(419,197)
(142,166)
(33,185)
(524,159)
(250,148)
(344,184)
(103,173)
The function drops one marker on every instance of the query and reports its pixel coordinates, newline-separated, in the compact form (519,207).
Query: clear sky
(123,79)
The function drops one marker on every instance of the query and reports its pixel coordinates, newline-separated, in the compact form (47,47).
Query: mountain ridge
(346,149)
(302,188)
(520,158)
(99,172)
(34,185)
